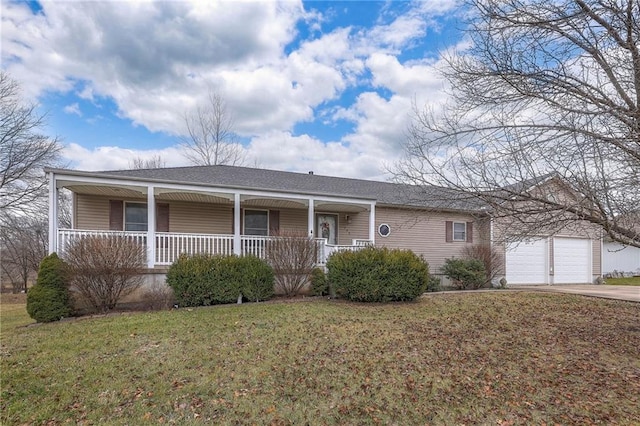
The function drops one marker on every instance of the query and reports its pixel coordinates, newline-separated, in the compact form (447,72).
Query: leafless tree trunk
(23,151)
(549,94)
(211,139)
(155,162)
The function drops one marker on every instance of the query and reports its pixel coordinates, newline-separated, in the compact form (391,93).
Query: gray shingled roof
(304,183)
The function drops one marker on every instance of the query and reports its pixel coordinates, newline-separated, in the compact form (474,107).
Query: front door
(327,227)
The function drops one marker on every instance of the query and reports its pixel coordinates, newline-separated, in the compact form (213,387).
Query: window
(135,217)
(256,222)
(459,231)
(384,230)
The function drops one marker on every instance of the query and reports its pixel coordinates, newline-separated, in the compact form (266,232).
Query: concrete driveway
(620,292)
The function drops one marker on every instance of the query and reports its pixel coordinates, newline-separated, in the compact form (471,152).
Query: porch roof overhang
(130,187)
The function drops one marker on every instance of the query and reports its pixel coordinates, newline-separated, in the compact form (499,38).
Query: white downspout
(151,227)
(237,249)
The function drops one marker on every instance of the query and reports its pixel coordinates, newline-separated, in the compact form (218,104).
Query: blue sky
(321,85)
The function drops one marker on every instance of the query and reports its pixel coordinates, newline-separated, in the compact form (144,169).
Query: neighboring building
(234,210)
(620,260)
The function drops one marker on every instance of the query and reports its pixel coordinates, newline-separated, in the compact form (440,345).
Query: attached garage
(526,262)
(571,260)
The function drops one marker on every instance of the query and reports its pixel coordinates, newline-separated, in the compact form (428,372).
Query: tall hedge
(203,280)
(49,299)
(378,275)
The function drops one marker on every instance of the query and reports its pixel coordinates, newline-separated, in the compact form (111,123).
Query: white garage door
(527,262)
(571,261)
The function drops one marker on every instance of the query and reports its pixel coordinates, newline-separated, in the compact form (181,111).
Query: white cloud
(156,60)
(73,108)
(118,158)
(282,151)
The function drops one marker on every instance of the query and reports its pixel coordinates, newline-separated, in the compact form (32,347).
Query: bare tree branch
(549,93)
(211,139)
(155,162)
(23,151)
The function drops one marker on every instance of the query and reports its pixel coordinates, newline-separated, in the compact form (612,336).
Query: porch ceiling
(108,191)
(273,203)
(195,197)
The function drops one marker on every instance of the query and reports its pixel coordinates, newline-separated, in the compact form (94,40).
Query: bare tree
(24,152)
(548,94)
(211,139)
(23,245)
(155,162)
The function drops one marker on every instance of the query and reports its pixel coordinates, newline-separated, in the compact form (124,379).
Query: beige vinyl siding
(357,229)
(294,220)
(91,212)
(423,233)
(596,265)
(200,218)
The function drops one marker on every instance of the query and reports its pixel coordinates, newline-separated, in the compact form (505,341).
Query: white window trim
(244,223)
(453,231)
(124,213)
(380,233)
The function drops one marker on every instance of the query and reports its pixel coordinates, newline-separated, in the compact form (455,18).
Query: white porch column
(151,226)
(311,218)
(53,213)
(372,223)
(237,243)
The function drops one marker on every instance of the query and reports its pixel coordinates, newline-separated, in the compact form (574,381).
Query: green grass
(473,358)
(623,281)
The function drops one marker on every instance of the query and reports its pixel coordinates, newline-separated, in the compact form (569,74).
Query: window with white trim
(135,217)
(256,222)
(459,231)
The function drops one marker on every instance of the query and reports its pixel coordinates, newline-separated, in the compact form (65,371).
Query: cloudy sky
(326,86)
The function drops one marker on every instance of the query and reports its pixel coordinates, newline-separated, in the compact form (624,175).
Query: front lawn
(494,358)
(623,281)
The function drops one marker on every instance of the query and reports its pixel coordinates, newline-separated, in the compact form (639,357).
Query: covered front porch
(170,219)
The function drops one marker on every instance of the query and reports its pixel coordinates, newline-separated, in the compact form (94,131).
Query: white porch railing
(67,236)
(325,249)
(170,245)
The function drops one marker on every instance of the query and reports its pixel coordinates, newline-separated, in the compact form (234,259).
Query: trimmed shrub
(465,273)
(490,257)
(319,283)
(378,274)
(434,284)
(49,299)
(256,278)
(203,280)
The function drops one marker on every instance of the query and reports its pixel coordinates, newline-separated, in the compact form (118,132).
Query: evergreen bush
(319,282)
(465,273)
(378,274)
(49,299)
(203,280)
